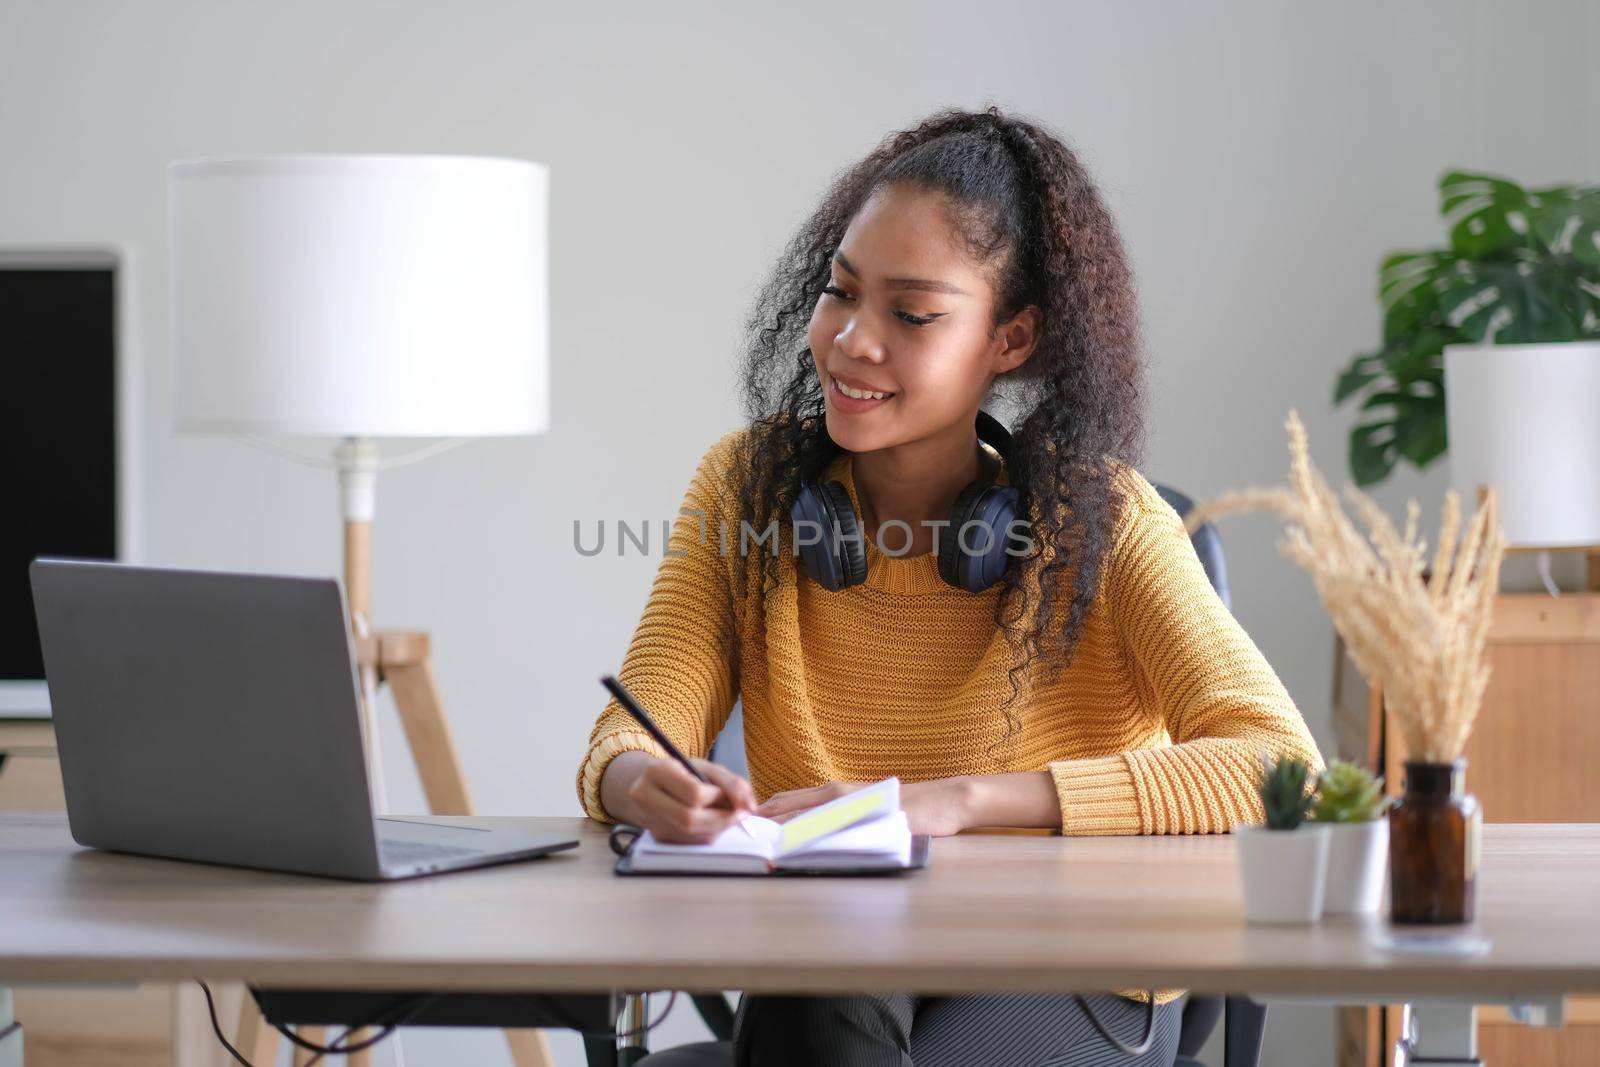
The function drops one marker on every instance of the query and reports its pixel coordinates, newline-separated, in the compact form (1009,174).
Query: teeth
(859,394)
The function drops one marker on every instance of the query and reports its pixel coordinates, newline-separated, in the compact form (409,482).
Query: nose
(857,343)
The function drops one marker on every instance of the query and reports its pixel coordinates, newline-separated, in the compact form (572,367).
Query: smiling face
(908,314)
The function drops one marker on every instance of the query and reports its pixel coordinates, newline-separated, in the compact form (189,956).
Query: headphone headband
(993,433)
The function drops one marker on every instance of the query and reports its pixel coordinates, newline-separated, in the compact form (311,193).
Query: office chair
(1245,1021)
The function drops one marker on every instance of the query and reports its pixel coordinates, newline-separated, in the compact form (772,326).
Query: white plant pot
(1283,872)
(1358,860)
(1521,418)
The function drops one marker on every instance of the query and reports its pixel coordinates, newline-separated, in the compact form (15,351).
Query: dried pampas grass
(1419,637)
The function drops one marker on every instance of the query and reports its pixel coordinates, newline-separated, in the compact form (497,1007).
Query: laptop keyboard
(391,850)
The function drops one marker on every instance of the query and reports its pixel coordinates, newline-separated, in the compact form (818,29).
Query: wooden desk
(1529,760)
(994,912)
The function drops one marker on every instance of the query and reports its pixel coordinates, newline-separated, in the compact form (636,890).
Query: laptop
(214,717)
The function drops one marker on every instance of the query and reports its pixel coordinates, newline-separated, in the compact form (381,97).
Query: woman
(1099,686)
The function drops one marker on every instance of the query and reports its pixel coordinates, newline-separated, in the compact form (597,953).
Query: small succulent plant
(1348,793)
(1284,792)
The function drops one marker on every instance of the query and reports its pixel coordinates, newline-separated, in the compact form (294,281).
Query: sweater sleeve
(682,663)
(1219,699)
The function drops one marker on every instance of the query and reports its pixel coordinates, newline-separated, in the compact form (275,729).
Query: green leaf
(1419,357)
(1508,302)
(1409,284)
(1575,288)
(1486,214)
(1372,452)
(1420,431)
(1588,308)
(1356,375)
(1567,222)
(1379,399)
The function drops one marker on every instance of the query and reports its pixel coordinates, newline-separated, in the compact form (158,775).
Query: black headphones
(969,558)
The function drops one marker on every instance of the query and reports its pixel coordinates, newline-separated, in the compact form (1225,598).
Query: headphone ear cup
(950,540)
(810,513)
(992,507)
(849,550)
(996,509)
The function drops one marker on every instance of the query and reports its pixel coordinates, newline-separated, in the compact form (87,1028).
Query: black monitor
(58,437)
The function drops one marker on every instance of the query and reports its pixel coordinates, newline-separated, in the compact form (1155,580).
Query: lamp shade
(360,296)
(1526,419)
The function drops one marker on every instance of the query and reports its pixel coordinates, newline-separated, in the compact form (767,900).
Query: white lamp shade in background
(360,296)
(1526,419)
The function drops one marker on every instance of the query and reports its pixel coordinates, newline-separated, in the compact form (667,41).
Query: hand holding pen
(689,801)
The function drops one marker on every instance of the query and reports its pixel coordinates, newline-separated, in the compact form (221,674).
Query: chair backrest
(1206,541)
(728,748)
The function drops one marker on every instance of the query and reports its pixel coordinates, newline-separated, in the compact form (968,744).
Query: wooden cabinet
(30,777)
(66,1027)
(1530,759)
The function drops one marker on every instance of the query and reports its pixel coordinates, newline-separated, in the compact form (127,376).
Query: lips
(843,404)
(862,387)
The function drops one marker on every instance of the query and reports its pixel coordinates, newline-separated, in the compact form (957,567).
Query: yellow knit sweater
(1157,726)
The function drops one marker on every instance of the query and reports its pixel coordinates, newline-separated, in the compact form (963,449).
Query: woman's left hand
(939,807)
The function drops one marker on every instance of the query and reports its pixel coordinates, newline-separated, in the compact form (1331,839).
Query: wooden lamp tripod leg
(401,659)
(255,1038)
(416,697)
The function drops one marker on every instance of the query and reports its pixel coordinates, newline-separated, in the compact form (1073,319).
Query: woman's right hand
(669,802)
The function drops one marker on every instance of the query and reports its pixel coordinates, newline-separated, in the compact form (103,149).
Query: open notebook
(863,832)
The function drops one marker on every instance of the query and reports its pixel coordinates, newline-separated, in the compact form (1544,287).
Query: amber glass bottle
(1435,840)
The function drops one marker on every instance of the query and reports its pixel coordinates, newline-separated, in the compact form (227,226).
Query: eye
(905,316)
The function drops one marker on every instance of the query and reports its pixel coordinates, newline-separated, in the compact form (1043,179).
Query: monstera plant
(1523,266)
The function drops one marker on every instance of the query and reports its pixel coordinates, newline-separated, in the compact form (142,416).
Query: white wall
(1261,157)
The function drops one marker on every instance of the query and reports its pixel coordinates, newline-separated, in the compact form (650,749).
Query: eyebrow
(926,284)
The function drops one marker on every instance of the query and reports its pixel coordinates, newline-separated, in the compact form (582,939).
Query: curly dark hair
(1026,208)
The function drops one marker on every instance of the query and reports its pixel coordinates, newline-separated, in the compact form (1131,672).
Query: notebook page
(761,842)
(885,840)
(862,805)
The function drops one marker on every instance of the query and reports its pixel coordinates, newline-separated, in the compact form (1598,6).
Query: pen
(642,717)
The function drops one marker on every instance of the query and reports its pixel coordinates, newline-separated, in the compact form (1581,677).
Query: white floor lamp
(357,298)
